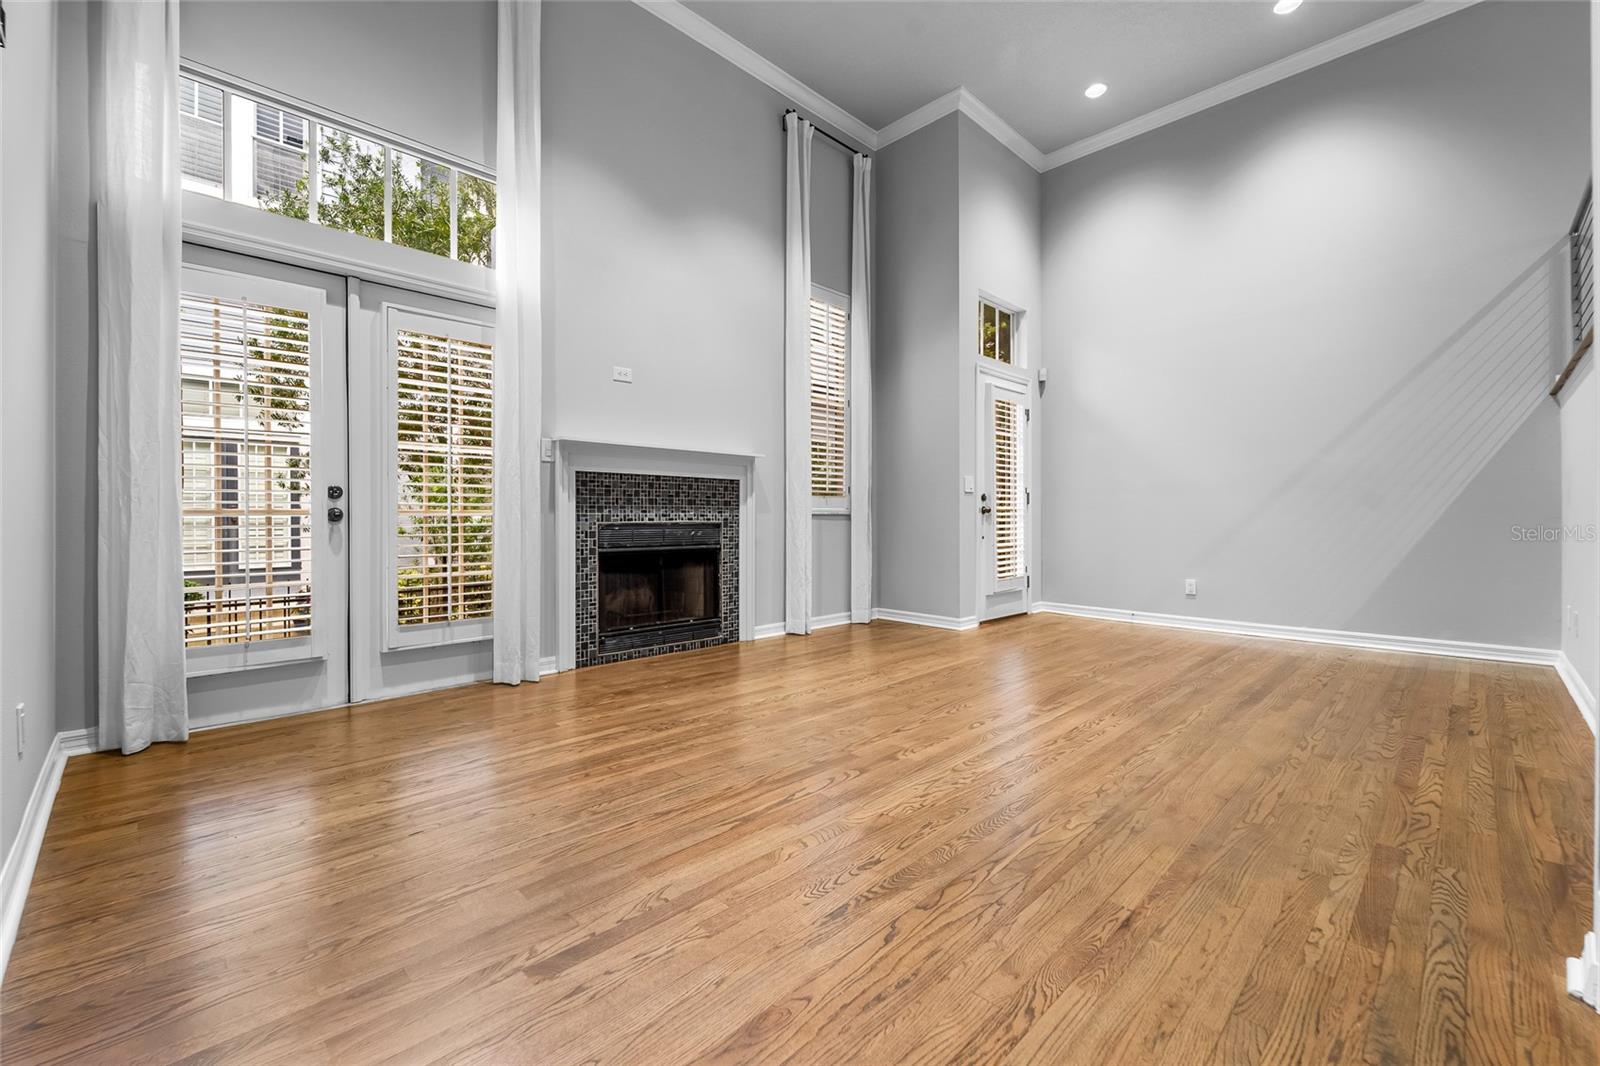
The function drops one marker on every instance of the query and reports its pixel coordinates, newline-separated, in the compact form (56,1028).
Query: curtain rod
(852,149)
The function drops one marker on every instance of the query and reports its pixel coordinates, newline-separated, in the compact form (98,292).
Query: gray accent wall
(27,403)
(424,69)
(1000,260)
(1580,522)
(916,453)
(663,230)
(1300,343)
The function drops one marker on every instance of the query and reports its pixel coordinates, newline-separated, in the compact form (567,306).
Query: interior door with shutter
(1003,498)
(422,463)
(264,465)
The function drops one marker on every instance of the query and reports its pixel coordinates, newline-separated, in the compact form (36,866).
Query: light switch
(968,485)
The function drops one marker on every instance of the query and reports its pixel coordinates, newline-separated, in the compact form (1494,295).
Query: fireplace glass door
(658,584)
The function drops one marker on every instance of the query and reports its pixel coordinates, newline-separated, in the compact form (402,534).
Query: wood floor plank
(1050,840)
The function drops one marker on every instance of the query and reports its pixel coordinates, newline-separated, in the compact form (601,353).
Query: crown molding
(1375,32)
(762,69)
(962,100)
(926,115)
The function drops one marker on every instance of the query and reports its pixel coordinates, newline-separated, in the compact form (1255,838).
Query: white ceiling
(1028,61)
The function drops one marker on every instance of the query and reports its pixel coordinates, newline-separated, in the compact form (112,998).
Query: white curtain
(797,376)
(134,70)
(519,361)
(861,393)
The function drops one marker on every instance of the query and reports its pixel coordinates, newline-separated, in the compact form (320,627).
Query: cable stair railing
(1581,248)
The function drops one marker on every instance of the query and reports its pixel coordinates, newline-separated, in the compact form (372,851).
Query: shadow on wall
(1332,532)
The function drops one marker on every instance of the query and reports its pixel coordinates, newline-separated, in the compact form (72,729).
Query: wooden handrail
(1572,364)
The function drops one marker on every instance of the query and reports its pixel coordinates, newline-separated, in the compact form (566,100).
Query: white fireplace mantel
(618,457)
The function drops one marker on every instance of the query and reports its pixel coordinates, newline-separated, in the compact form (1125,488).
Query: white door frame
(1018,600)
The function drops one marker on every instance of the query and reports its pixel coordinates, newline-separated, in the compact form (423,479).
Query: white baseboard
(1578,689)
(79,742)
(24,853)
(917,618)
(1583,972)
(818,621)
(1371,641)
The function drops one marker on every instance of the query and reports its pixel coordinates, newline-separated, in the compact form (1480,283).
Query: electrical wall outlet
(1189,587)
(623,374)
(22,729)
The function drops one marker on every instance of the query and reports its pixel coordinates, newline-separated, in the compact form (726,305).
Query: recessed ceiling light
(1283,7)
(1098,89)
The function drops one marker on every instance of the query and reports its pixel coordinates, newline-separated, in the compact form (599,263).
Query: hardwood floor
(1051,840)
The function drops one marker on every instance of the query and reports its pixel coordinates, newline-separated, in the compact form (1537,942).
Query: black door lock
(336,514)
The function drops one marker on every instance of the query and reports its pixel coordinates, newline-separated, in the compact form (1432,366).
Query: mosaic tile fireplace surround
(656,536)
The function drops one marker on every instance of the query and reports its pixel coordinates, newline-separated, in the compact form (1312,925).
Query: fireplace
(658,584)
(656,564)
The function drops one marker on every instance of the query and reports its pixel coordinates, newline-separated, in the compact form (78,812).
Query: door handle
(985,509)
(336,514)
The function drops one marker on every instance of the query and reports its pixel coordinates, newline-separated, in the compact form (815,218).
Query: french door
(265,550)
(1003,497)
(337,538)
(421,448)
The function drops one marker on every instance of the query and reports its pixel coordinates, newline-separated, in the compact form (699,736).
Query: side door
(1003,497)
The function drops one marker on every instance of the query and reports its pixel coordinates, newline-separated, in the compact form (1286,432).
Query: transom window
(830,409)
(997,333)
(248,150)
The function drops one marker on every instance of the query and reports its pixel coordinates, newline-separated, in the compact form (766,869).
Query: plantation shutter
(1008,489)
(830,339)
(444,479)
(246,445)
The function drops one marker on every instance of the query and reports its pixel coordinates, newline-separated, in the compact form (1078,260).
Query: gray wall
(1000,258)
(27,400)
(1580,514)
(1299,343)
(424,69)
(916,455)
(663,228)
(76,388)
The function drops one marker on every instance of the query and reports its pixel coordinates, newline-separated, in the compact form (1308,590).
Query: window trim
(395,317)
(836,505)
(1019,345)
(228,226)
